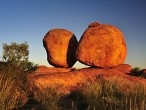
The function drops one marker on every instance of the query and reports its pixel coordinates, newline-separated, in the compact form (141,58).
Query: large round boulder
(101,45)
(60,45)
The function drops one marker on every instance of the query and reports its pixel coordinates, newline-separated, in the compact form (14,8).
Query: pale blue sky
(30,20)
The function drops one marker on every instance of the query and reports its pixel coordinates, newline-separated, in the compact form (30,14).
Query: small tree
(15,52)
(17,55)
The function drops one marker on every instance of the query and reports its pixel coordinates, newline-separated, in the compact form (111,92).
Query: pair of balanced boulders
(101,45)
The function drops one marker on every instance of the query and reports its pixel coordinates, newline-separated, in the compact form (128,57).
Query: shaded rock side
(101,45)
(60,45)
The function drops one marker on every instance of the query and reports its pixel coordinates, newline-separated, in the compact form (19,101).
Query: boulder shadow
(71,51)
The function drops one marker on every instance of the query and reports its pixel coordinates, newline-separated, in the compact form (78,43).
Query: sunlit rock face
(101,45)
(60,45)
(67,80)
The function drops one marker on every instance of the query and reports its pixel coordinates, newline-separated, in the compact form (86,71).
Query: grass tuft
(48,98)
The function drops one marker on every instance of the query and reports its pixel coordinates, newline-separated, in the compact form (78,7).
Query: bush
(139,73)
(136,72)
(16,55)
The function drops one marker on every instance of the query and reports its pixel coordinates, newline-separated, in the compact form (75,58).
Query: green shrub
(16,55)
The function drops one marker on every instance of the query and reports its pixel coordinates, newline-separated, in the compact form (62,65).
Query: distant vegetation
(138,73)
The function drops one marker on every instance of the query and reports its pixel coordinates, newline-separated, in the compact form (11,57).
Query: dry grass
(115,94)
(48,98)
(10,98)
(109,91)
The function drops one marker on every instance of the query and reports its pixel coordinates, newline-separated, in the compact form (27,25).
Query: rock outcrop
(101,46)
(125,68)
(67,80)
(45,70)
(60,45)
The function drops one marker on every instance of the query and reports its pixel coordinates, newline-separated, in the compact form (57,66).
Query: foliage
(17,55)
(15,52)
(16,63)
(137,72)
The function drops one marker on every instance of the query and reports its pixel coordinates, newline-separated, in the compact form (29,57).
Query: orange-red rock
(66,81)
(60,45)
(45,70)
(101,45)
(125,68)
